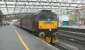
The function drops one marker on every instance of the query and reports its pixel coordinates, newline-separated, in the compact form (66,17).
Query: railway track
(64,46)
(58,46)
(79,34)
(73,39)
(76,46)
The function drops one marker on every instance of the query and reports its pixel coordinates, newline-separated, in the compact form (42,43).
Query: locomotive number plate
(48,25)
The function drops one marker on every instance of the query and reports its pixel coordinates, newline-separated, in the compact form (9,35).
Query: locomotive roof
(46,10)
(42,11)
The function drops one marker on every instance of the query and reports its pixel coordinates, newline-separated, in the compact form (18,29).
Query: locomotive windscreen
(47,15)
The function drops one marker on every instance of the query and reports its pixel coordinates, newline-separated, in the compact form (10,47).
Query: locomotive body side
(27,22)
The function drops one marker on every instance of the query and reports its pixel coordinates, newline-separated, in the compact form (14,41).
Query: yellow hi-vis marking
(22,41)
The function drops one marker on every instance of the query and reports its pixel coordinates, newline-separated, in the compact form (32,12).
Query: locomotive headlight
(42,34)
(50,29)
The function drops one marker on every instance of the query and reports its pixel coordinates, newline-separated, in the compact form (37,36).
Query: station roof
(26,6)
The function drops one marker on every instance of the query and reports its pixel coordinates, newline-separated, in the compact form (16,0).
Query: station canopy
(26,6)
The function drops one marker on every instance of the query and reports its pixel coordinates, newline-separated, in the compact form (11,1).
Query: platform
(13,38)
(73,28)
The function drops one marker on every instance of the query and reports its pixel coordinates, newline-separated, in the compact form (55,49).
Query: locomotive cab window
(47,15)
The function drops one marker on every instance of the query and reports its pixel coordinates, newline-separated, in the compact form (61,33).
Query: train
(43,23)
(1,17)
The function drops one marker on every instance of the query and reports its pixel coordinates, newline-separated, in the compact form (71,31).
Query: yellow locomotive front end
(49,26)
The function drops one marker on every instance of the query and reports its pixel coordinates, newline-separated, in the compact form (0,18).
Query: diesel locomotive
(44,23)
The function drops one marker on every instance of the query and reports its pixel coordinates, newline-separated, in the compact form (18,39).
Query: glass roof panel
(15,6)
